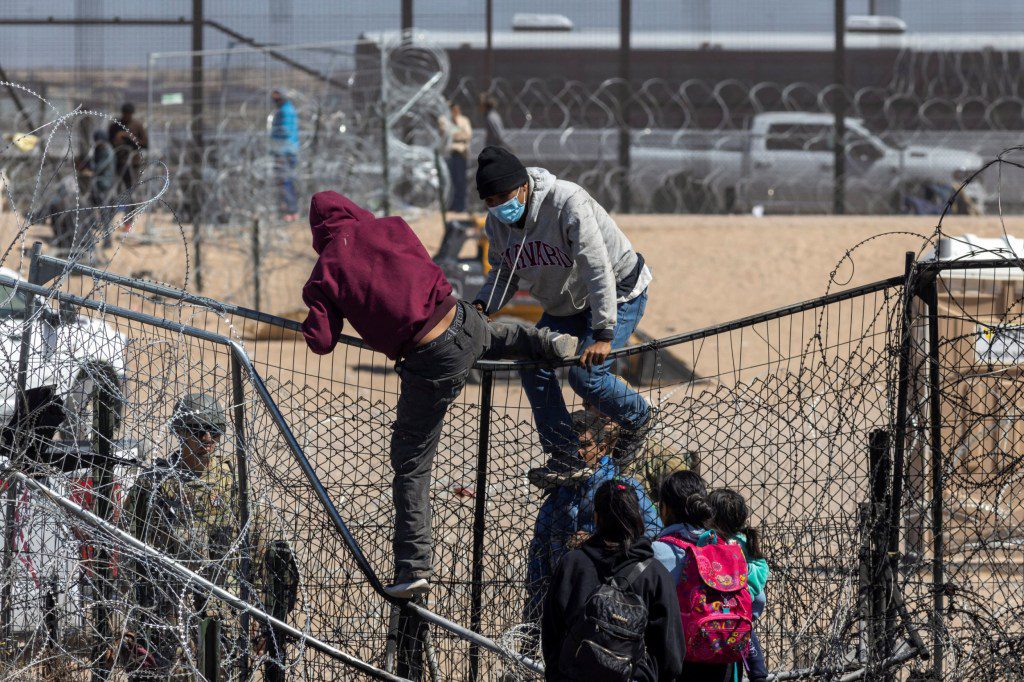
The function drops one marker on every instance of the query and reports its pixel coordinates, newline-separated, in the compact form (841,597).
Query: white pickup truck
(784,163)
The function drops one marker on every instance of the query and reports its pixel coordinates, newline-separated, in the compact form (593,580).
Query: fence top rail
(968,264)
(262,49)
(239,355)
(58,265)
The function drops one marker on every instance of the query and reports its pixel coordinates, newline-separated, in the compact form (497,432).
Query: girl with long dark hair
(617,548)
(730,518)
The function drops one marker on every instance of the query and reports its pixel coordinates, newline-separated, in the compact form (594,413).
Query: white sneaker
(409,589)
(563,346)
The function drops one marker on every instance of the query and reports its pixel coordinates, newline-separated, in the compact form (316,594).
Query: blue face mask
(510,212)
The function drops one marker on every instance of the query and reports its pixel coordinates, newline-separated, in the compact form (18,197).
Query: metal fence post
(839,169)
(625,74)
(879,632)
(900,432)
(935,417)
(198,160)
(257,266)
(242,467)
(103,490)
(22,414)
(479,525)
(385,143)
(891,560)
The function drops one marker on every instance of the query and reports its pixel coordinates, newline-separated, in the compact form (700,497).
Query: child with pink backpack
(711,578)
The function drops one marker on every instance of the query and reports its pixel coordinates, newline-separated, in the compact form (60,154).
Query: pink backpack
(714,602)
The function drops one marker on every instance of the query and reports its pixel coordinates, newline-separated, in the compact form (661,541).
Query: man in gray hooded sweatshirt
(551,234)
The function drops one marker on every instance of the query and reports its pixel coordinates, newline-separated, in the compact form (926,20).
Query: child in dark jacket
(729,517)
(376,273)
(618,542)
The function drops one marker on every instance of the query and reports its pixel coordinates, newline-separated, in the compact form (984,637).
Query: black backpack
(606,637)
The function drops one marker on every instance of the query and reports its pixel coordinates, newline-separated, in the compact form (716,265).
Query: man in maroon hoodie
(376,273)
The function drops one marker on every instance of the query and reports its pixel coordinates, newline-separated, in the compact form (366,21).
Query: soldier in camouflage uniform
(186,506)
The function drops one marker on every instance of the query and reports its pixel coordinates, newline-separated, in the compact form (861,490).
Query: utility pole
(839,108)
(625,29)
(197,140)
(489,52)
(406,15)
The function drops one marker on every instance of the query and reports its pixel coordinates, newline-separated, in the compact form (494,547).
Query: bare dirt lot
(707,269)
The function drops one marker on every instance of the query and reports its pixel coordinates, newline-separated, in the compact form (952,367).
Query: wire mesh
(780,406)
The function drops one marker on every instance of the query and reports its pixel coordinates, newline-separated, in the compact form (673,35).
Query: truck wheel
(729,200)
(81,405)
(681,194)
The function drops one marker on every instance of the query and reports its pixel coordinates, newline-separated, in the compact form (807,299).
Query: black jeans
(432,376)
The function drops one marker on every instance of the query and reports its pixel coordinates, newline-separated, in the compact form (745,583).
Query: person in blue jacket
(284,146)
(566,517)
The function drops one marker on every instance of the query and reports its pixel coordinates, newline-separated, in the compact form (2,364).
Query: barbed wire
(779,408)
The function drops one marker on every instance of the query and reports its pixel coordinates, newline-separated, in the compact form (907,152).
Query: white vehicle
(70,357)
(784,163)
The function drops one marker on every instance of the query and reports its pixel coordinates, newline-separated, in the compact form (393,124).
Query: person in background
(375,273)
(494,129)
(128,137)
(617,551)
(284,147)
(459,133)
(582,269)
(100,167)
(566,517)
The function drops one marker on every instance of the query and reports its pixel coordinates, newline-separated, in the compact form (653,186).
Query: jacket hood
(541,182)
(608,562)
(686,531)
(330,212)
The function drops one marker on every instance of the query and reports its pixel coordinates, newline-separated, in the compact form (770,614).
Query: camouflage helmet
(199,409)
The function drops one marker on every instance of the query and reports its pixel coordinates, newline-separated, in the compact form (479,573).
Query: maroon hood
(373,272)
(329,212)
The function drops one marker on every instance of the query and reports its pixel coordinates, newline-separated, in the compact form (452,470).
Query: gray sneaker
(409,588)
(561,346)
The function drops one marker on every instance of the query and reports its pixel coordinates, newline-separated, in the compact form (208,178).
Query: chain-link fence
(884,542)
(710,109)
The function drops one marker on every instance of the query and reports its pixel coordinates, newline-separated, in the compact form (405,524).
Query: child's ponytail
(753,543)
(683,498)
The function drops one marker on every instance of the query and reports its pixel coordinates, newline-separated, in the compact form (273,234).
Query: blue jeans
(284,170)
(457,170)
(606,392)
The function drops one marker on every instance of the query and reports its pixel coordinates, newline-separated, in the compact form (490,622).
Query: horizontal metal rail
(293,445)
(182,22)
(236,602)
(487,365)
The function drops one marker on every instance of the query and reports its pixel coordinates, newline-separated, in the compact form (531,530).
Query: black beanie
(498,171)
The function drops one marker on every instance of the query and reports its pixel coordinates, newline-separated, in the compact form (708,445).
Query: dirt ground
(707,269)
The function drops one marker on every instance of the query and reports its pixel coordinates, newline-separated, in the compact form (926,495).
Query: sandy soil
(708,269)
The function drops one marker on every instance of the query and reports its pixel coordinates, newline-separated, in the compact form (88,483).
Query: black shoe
(560,469)
(632,440)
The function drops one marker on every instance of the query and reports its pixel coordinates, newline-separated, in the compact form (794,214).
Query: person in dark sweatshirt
(375,273)
(552,235)
(618,542)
